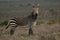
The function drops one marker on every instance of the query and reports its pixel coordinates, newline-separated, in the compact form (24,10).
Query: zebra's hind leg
(12,30)
(30,31)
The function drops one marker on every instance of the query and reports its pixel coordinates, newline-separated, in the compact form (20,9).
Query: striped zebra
(22,21)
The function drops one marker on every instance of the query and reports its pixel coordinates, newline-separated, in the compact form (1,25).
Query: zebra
(22,21)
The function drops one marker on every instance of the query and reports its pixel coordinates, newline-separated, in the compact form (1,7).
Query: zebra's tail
(7,26)
(11,22)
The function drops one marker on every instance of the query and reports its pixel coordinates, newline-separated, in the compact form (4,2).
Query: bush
(59,21)
(3,23)
(51,22)
(40,22)
(51,38)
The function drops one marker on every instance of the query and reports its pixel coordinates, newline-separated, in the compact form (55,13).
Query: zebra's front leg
(30,28)
(30,31)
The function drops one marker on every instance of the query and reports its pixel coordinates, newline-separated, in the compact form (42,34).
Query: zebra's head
(35,9)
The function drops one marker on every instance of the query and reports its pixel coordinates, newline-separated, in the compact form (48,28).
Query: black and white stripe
(11,23)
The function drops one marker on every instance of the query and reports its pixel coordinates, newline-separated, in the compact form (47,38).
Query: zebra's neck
(33,16)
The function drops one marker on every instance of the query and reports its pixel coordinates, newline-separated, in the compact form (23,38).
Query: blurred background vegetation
(49,9)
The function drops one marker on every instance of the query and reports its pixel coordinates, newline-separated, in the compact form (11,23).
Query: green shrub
(51,22)
(40,22)
(58,34)
(59,21)
(51,38)
(3,23)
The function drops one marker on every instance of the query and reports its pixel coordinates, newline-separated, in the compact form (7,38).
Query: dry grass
(41,32)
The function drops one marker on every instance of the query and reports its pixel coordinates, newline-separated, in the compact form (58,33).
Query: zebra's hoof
(30,32)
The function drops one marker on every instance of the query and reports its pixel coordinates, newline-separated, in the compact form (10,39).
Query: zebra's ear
(38,4)
(33,5)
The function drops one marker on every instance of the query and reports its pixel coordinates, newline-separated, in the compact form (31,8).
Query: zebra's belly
(25,23)
(22,23)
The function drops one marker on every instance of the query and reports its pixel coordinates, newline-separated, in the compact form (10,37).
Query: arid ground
(41,32)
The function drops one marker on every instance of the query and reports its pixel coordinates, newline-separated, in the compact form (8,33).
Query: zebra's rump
(12,22)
